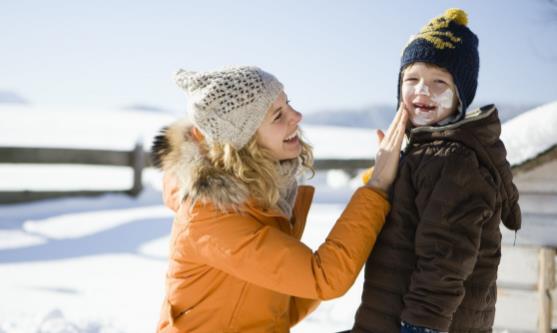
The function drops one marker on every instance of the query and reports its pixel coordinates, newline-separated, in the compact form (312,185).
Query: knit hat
(229,105)
(447,42)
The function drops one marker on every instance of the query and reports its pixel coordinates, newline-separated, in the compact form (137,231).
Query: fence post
(137,163)
(545,284)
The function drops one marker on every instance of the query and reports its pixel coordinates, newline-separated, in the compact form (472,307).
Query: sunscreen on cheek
(445,99)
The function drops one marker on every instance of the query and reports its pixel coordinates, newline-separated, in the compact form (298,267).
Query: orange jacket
(249,272)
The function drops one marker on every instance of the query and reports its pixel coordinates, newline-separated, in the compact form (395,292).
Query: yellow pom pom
(457,15)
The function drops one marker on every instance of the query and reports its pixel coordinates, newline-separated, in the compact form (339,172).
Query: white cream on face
(421,118)
(429,94)
(443,102)
(421,89)
(445,99)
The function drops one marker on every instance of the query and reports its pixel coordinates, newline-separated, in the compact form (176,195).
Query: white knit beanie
(229,105)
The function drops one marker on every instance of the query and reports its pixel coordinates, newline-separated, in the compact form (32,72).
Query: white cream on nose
(421,89)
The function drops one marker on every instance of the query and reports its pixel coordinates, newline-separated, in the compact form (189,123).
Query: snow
(102,270)
(530,133)
(121,129)
(92,265)
(97,265)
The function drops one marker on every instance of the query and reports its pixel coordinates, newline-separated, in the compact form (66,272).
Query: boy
(434,266)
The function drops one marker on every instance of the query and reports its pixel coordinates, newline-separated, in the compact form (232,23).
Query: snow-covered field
(93,265)
(97,265)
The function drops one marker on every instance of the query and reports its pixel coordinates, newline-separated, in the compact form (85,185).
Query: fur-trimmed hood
(177,152)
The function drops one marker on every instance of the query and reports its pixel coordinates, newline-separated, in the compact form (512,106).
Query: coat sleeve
(249,250)
(301,308)
(453,202)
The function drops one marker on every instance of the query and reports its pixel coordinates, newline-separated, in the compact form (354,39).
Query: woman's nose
(296,116)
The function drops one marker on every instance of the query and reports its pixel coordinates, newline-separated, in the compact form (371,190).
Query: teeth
(292,136)
(419,105)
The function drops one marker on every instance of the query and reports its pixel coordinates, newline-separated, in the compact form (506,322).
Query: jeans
(409,328)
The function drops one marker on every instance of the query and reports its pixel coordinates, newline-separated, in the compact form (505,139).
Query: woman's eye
(278,116)
(410,79)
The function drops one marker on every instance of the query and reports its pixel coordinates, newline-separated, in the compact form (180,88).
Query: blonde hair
(255,166)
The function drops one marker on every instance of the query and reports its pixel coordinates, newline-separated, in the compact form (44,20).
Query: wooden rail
(524,302)
(536,284)
(137,159)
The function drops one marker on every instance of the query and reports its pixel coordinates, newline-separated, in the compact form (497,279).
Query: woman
(236,262)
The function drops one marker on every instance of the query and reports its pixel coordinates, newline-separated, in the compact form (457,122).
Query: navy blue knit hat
(447,42)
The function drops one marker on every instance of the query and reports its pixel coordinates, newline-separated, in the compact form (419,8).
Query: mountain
(376,116)
(11,98)
(147,108)
(380,116)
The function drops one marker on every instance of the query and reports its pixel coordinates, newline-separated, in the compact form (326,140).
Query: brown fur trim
(176,151)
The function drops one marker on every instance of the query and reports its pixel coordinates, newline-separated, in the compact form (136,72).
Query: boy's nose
(421,88)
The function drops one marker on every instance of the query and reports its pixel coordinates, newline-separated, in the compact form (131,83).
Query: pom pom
(457,15)
(185,79)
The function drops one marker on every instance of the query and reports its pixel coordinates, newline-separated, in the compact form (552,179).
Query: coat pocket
(173,313)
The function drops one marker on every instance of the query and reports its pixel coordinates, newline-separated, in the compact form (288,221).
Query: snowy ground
(97,265)
(93,265)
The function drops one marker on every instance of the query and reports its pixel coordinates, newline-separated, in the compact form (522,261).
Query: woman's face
(428,92)
(279,130)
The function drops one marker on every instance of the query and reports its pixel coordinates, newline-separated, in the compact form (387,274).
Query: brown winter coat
(246,270)
(435,262)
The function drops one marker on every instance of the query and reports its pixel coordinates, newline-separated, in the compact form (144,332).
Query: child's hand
(386,159)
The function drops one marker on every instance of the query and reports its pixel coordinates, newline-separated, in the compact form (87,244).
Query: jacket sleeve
(301,308)
(455,197)
(251,251)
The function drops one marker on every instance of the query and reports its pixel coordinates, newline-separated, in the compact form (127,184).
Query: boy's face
(428,93)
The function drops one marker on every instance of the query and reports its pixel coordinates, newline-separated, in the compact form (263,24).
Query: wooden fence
(137,159)
(532,292)
(525,301)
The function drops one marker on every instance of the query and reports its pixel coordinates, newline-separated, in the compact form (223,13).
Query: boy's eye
(440,82)
(410,79)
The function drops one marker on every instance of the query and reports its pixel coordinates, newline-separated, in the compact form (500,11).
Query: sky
(329,54)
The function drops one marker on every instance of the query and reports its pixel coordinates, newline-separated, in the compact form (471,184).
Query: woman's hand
(388,155)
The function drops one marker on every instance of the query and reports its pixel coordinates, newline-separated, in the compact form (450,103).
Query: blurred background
(85,85)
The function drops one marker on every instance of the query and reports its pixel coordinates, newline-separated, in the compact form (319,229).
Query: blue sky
(329,54)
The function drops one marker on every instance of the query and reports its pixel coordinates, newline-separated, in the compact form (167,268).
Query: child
(434,266)
(236,260)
